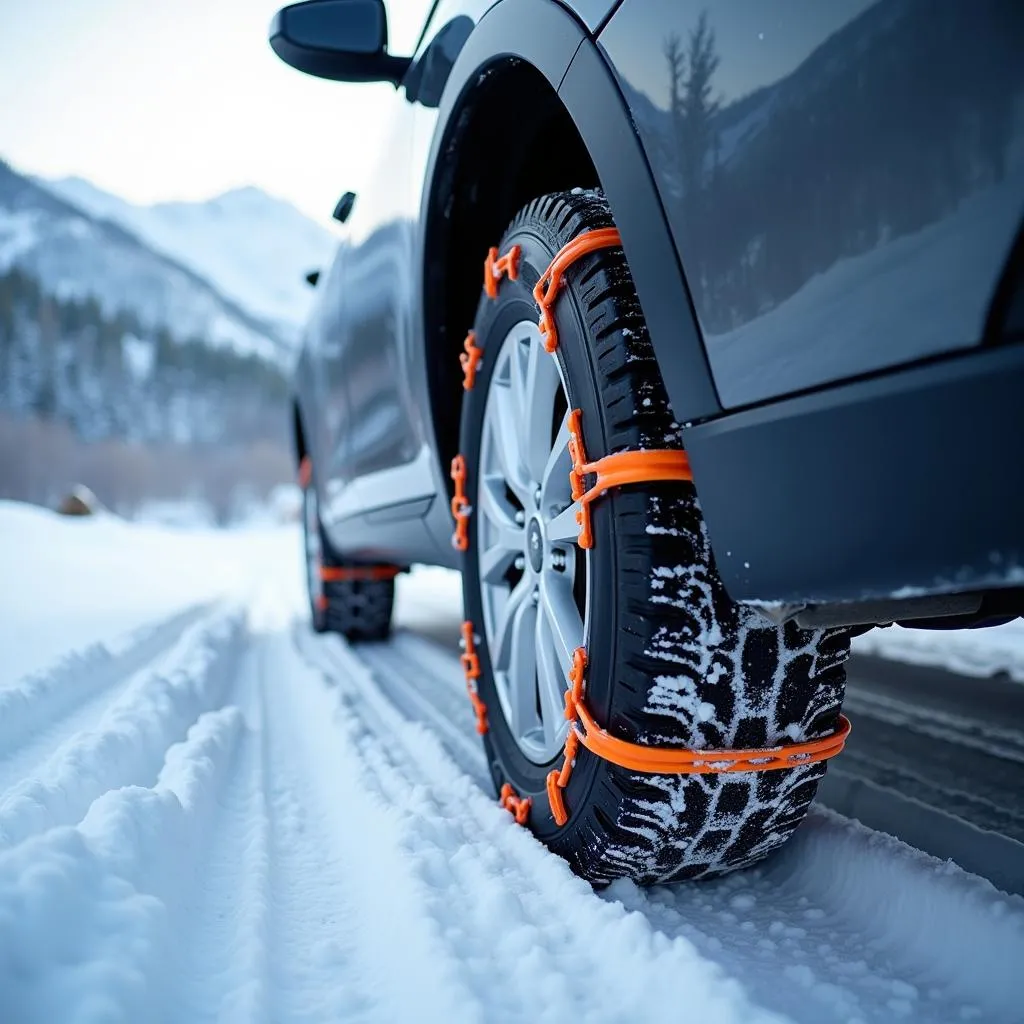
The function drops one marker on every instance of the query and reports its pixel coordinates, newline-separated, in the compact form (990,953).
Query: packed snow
(207,812)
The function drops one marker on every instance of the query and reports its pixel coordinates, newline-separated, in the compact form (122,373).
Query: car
(691,334)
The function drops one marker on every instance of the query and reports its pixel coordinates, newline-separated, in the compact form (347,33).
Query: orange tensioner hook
(495,266)
(518,805)
(632,467)
(546,290)
(469,360)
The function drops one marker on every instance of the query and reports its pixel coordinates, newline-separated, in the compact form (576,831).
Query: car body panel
(843,185)
(593,13)
(895,486)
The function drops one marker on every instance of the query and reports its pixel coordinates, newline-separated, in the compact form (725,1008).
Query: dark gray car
(691,333)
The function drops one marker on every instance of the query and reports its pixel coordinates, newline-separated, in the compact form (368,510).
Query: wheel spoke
(564,619)
(554,480)
(542,384)
(564,528)
(501,537)
(504,626)
(522,668)
(551,684)
(495,563)
(519,355)
(506,435)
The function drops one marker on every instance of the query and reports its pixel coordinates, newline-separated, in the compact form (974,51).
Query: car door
(378,452)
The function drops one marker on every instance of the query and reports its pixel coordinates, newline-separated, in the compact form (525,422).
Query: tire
(672,661)
(357,609)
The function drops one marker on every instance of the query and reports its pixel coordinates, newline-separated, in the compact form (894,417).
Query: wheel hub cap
(535,545)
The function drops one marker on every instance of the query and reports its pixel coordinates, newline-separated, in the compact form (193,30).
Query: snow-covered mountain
(75,255)
(253,247)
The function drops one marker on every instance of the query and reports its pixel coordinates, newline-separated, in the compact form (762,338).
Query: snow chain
(628,467)
(460,504)
(471,668)
(669,760)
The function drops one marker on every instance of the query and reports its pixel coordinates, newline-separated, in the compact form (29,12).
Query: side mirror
(343,40)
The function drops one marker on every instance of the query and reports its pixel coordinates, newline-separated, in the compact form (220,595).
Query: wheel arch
(530,80)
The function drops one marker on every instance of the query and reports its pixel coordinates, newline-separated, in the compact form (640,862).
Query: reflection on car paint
(843,180)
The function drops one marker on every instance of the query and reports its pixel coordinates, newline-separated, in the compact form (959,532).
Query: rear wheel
(357,608)
(672,661)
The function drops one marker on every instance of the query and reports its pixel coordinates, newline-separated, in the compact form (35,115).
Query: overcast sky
(180,99)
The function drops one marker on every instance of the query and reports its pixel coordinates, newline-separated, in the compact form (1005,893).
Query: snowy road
(220,816)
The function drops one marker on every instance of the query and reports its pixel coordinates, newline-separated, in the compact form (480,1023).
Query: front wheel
(671,660)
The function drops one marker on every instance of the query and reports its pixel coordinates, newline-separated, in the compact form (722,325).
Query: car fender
(556,44)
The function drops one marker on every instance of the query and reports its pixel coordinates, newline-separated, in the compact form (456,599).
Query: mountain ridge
(253,246)
(74,254)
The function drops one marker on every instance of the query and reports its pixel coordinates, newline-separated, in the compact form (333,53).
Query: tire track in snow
(266,922)
(823,923)
(534,941)
(85,928)
(43,709)
(126,746)
(296,913)
(443,708)
(220,909)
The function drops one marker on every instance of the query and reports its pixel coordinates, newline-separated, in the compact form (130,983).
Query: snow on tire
(672,661)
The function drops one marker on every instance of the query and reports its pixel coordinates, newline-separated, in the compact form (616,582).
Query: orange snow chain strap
(460,504)
(495,266)
(342,574)
(470,360)
(670,760)
(633,467)
(471,667)
(546,290)
(519,806)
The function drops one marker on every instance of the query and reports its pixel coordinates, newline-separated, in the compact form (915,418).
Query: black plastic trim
(901,485)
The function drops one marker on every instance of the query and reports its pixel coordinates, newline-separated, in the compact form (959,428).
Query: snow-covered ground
(209,813)
(969,652)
